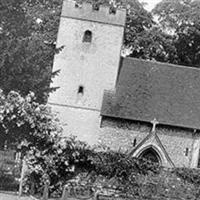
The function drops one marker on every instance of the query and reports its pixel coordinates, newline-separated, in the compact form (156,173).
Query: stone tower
(92,37)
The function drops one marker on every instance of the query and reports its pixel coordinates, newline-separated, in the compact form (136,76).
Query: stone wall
(178,142)
(94,66)
(83,123)
(120,134)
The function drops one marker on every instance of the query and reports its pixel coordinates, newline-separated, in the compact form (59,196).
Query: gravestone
(9,171)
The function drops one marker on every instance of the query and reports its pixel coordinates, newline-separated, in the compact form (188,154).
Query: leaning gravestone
(9,171)
(74,191)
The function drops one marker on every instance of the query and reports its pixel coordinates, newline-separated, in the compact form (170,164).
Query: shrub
(8,182)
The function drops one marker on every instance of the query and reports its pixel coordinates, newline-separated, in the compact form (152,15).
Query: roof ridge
(166,64)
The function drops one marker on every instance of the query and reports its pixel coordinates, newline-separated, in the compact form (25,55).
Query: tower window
(95,6)
(87,36)
(112,10)
(81,90)
(77,5)
(134,142)
(186,151)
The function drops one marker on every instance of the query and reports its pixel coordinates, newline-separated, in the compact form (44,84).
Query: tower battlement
(86,11)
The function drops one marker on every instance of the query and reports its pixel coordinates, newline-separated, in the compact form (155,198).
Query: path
(4,196)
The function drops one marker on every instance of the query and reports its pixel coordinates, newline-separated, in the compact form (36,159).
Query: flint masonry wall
(177,142)
(120,134)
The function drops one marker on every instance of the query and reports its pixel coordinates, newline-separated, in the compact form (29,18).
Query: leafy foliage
(139,182)
(154,44)
(182,18)
(56,164)
(115,164)
(8,182)
(189,175)
(27,46)
(71,158)
(174,14)
(24,119)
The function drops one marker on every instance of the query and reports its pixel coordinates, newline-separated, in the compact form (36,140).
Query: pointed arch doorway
(150,154)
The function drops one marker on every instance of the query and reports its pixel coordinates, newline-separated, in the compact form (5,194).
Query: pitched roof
(146,90)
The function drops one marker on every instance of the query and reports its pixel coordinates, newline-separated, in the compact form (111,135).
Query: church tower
(92,37)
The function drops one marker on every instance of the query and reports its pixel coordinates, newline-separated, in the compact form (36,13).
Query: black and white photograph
(99,99)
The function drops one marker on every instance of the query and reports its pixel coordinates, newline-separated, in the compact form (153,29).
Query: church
(144,108)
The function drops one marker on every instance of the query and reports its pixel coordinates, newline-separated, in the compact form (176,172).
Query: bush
(135,178)
(71,157)
(8,183)
(188,175)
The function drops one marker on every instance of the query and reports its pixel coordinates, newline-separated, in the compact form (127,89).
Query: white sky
(150,3)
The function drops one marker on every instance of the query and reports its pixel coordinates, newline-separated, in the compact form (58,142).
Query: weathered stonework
(120,134)
(176,141)
(92,65)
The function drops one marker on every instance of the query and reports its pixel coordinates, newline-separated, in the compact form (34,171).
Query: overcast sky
(150,3)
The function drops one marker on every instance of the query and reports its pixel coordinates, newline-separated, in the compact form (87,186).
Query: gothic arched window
(87,36)
(150,154)
(80,89)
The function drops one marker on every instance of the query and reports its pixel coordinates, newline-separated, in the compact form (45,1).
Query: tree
(28,31)
(49,156)
(23,119)
(182,19)
(27,40)
(154,44)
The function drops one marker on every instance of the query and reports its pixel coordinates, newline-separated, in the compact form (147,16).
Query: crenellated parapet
(94,12)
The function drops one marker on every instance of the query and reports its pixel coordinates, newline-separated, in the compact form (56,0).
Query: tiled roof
(146,90)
